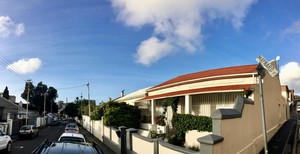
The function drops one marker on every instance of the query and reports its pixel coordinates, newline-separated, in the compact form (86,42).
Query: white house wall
(206,104)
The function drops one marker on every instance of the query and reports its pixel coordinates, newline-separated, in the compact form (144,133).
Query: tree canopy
(40,94)
(6,93)
(71,110)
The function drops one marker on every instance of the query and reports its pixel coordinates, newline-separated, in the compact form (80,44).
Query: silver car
(72,128)
(28,131)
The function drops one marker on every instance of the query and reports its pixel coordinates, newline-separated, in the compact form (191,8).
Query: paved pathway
(282,141)
(92,138)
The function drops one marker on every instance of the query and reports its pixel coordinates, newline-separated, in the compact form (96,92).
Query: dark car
(55,147)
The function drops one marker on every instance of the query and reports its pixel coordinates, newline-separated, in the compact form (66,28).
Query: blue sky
(134,44)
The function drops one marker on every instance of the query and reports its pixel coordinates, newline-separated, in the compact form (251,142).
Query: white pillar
(153,106)
(188,104)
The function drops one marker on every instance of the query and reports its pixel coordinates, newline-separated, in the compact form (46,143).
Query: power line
(72,87)
(5,61)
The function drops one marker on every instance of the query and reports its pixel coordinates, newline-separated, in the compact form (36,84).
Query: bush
(184,122)
(121,114)
(98,113)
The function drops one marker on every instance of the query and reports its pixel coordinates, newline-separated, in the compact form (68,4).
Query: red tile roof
(199,90)
(209,73)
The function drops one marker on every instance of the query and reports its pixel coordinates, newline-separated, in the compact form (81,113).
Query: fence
(236,130)
(134,142)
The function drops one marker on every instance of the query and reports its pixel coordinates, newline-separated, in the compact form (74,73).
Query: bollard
(123,139)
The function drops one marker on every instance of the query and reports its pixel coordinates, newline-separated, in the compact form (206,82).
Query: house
(8,110)
(231,97)
(133,97)
(204,92)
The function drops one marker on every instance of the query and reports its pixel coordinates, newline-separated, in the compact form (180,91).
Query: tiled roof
(209,73)
(199,90)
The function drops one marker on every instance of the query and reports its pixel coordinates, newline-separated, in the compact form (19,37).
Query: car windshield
(71,126)
(25,128)
(71,139)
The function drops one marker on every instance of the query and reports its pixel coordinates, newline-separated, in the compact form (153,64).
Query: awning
(199,91)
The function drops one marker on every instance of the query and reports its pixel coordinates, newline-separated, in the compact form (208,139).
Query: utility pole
(88,86)
(45,95)
(81,104)
(28,86)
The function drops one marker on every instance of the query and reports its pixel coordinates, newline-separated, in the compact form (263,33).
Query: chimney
(20,103)
(292,94)
(122,93)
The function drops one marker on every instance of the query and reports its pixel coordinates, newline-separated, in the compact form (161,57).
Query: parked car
(47,147)
(71,137)
(72,128)
(5,142)
(28,131)
(71,120)
(54,123)
(298,108)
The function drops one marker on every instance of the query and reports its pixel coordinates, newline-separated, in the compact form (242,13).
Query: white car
(72,128)
(71,137)
(5,142)
(298,108)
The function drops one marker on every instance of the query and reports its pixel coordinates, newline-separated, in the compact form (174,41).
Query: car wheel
(8,147)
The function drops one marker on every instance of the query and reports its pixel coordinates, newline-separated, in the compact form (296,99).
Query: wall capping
(210,139)
(236,112)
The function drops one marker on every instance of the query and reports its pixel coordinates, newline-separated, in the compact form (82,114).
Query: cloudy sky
(128,45)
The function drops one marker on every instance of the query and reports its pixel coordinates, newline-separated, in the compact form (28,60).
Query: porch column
(153,106)
(188,104)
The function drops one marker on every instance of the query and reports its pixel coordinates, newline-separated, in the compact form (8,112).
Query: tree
(121,114)
(6,93)
(38,94)
(29,86)
(71,110)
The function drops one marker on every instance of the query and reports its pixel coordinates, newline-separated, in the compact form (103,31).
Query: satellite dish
(278,58)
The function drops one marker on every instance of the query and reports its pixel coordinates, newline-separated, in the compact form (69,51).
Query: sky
(116,45)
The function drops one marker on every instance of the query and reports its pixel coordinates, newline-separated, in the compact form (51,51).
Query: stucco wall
(245,134)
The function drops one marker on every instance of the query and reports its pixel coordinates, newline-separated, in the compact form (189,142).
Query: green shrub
(121,114)
(184,122)
(194,148)
(98,113)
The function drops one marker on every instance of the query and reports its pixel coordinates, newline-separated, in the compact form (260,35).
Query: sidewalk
(92,138)
(282,141)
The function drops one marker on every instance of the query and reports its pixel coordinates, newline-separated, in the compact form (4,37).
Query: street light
(28,82)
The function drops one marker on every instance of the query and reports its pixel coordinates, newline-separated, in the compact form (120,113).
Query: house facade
(231,97)
(8,110)
(202,93)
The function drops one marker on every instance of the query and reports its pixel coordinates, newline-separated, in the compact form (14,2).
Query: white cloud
(25,66)
(290,75)
(177,24)
(159,49)
(20,29)
(292,29)
(8,27)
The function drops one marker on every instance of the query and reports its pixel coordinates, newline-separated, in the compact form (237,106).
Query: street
(27,145)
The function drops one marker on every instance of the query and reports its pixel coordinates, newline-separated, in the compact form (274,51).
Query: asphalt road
(26,146)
